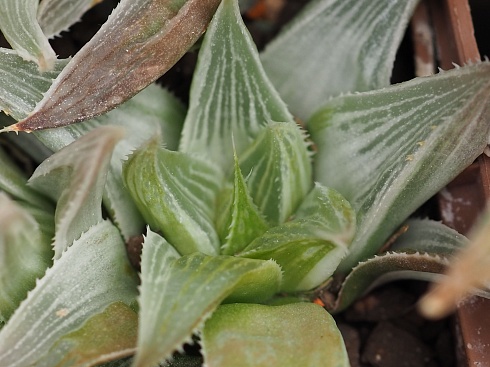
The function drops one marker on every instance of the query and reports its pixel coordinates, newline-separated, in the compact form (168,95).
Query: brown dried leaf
(140,41)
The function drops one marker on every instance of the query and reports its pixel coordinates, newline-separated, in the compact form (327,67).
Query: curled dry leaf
(140,41)
(469,271)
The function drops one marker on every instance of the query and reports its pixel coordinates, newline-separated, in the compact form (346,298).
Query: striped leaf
(25,252)
(19,25)
(388,151)
(231,96)
(75,178)
(55,16)
(239,222)
(21,84)
(421,253)
(179,293)
(336,46)
(247,335)
(140,41)
(150,112)
(176,193)
(90,276)
(309,247)
(279,170)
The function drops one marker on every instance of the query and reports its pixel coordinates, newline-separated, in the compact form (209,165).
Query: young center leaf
(336,46)
(24,244)
(22,85)
(176,193)
(92,275)
(278,170)
(239,220)
(140,41)
(19,25)
(309,247)
(231,97)
(251,335)
(179,293)
(390,150)
(55,16)
(75,178)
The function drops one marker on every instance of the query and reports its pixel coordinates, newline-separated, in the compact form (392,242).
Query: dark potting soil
(383,329)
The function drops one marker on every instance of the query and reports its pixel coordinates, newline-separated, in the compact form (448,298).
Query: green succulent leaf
(140,41)
(383,150)
(75,178)
(279,170)
(239,222)
(13,182)
(230,95)
(25,254)
(92,275)
(176,193)
(336,46)
(22,85)
(19,25)
(420,253)
(55,16)
(179,293)
(309,247)
(153,111)
(249,335)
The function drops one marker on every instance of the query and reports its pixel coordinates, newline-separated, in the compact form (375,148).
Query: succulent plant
(244,212)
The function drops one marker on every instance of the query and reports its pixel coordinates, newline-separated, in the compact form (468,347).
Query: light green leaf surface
(14,183)
(179,293)
(140,41)
(249,335)
(420,253)
(21,84)
(25,254)
(153,111)
(309,247)
(390,150)
(92,274)
(231,96)
(279,170)
(176,194)
(239,222)
(336,46)
(75,177)
(55,16)
(19,25)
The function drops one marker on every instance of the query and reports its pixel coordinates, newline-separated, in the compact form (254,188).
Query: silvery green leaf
(92,275)
(153,111)
(140,41)
(231,96)
(390,150)
(250,335)
(178,293)
(75,177)
(25,254)
(279,170)
(420,253)
(309,247)
(239,222)
(176,193)
(336,46)
(19,25)
(55,16)
(14,183)
(22,85)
